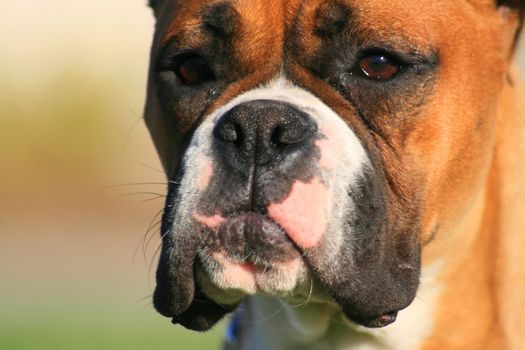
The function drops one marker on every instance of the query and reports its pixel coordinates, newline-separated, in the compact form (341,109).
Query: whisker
(140,300)
(151,225)
(245,258)
(133,184)
(270,316)
(149,304)
(130,131)
(148,166)
(151,233)
(152,199)
(308,298)
(141,194)
(157,249)
(155,252)
(146,238)
(159,183)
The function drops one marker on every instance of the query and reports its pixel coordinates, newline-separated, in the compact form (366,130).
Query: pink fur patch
(328,159)
(252,278)
(329,146)
(302,214)
(212,222)
(236,275)
(205,176)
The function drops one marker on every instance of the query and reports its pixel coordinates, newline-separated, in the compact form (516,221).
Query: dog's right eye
(193,71)
(379,66)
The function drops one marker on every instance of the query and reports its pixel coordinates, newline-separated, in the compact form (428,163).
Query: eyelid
(410,58)
(171,53)
(395,56)
(404,54)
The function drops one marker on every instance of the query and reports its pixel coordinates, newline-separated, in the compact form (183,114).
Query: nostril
(277,136)
(229,131)
(289,133)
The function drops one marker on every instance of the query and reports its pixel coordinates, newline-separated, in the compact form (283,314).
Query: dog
(342,174)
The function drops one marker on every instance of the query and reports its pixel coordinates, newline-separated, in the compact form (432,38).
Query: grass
(68,130)
(79,327)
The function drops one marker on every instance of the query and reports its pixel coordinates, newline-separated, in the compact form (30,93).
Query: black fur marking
(220,19)
(153,3)
(175,286)
(176,295)
(383,274)
(202,314)
(252,238)
(331,18)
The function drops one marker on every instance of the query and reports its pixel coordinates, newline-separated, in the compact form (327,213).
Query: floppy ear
(154,4)
(515,4)
(518,8)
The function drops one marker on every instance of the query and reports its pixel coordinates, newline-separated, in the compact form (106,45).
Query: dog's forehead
(256,17)
(181,17)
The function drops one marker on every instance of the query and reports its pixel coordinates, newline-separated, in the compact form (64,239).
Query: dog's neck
(509,268)
(478,307)
(271,323)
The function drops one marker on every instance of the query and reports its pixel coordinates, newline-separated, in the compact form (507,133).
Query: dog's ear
(154,4)
(516,7)
(513,4)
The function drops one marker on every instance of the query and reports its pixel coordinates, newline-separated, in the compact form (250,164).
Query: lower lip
(247,267)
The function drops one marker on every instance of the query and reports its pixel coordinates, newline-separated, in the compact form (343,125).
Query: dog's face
(320,141)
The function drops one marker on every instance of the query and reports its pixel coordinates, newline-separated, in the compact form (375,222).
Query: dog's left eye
(194,70)
(379,66)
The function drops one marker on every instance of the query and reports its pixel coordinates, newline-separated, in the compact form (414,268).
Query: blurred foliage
(63,122)
(71,96)
(94,327)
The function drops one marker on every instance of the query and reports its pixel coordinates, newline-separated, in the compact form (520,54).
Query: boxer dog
(343,174)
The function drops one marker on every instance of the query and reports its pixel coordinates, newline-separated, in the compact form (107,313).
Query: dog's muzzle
(276,191)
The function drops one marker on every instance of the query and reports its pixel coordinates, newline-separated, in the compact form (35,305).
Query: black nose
(263,131)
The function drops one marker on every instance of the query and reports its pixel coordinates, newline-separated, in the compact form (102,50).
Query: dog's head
(320,141)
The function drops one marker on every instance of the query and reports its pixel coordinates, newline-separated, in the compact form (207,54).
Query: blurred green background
(77,264)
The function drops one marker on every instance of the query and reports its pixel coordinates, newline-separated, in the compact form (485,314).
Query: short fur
(443,181)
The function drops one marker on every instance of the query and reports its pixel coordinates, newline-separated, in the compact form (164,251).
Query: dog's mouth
(252,239)
(245,254)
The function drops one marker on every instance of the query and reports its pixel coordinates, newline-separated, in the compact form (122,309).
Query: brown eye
(194,70)
(380,67)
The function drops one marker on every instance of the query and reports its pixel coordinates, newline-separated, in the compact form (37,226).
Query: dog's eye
(379,66)
(194,70)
